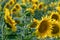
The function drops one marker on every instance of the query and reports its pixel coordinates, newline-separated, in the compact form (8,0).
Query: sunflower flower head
(44,27)
(55,29)
(16,8)
(55,16)
(7,6)
(9,19)
(11,2)
(13,10)
(34,6)
(40,6)
(34,23)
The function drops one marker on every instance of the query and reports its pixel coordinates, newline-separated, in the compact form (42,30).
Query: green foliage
(24,19)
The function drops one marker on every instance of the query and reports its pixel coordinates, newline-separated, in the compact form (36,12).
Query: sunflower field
(29,19)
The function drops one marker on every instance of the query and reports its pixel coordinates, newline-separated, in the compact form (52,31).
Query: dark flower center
(11,3)
(43,26)
(14,10)
(17,6)
(54,16)
(7,6)
(40,6)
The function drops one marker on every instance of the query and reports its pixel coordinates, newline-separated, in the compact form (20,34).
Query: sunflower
(11,2)
(55,16)
(9,19)
(13,10)
(34,6)
(40,5)
(16,8)
(33,24)
(7,6)
(43,28)
(55,29)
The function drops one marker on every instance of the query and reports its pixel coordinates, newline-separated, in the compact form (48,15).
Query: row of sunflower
(43,17)
(8,13)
